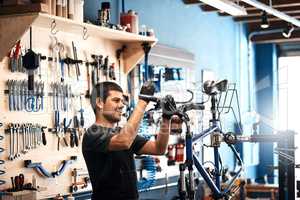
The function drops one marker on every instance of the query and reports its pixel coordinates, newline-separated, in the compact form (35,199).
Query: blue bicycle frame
(192,159)
(214,186)
(186,189)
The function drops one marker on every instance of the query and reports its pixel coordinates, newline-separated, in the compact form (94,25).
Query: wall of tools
(42,127)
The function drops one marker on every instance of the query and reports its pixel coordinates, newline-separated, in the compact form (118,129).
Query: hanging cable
(146,182)
(143,130)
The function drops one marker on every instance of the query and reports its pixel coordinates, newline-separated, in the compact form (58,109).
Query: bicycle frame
(192,159)
(188,189)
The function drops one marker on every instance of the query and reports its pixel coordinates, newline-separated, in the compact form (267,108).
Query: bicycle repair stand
(286,157)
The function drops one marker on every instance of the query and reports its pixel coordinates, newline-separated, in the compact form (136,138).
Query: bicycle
(187,187)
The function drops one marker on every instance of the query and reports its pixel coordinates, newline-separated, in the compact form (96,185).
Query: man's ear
(99,103)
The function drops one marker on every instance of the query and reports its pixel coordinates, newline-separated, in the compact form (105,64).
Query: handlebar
(181,110)
(149,98)
(191,106)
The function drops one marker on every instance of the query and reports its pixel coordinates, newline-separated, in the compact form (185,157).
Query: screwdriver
(81,114)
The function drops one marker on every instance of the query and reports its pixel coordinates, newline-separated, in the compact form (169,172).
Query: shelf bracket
(12,28)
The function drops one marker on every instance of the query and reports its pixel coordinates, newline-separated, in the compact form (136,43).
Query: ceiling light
(272,11)
(287,32)
(264,20)
(227,6)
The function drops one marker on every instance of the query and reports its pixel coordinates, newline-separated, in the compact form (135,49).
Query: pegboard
(42,42)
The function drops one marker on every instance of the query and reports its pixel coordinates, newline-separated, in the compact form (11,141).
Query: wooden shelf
(34,7)
(13,26)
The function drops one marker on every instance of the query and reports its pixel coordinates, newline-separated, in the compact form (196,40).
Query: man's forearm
(163,136)
(129,131)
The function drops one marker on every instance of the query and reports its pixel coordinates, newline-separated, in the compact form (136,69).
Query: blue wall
(213,39)
(266,61)
(218,43)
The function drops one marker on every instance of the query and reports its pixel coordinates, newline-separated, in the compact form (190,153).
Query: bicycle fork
(187,185)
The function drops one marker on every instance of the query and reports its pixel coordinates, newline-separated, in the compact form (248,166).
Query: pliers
(66,126)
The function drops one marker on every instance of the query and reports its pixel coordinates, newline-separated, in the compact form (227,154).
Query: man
(108,153)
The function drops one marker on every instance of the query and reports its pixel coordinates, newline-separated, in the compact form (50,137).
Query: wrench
(24,150)
(64,97)
(35,136)
(18,92)
(25,94)
(39,134)
(13,89)
(16,95)
(41,95)
(55,96)
(10,95)
(21,95)
(11,152)
(13,64)
(17,128)
(61,96)
(28,137)
(36,96)
(31,136)
(14,133)
(20,63)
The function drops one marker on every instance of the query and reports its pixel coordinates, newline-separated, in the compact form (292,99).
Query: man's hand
(147,89)
(176,125)
(168,107)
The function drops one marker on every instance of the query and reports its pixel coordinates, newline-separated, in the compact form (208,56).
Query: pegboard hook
(84,33)
(53,29)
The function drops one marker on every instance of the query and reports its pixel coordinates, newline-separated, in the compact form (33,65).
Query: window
(288,97)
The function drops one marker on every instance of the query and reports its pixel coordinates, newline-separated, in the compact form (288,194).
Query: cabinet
(89,39)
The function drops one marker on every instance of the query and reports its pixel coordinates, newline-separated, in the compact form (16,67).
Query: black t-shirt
(112,173)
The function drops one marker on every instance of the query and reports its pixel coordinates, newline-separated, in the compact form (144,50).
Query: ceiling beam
(273,11)
(250,19)
(250,9)
(281,3)
(276,38)
(257,12)
(277,2)
(253,27)
(192,2)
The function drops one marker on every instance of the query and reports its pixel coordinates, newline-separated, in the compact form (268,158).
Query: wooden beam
(251,19)
(276,38)
(191,2)
(257,12)
(32,8)
(280,2)
(270,20)
(208,8)
(252,27)
(250,9)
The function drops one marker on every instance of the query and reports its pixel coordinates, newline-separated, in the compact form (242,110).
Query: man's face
(113,106)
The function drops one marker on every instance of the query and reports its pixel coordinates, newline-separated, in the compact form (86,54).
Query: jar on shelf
(130,20)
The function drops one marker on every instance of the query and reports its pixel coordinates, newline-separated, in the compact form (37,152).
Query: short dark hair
(101,90)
